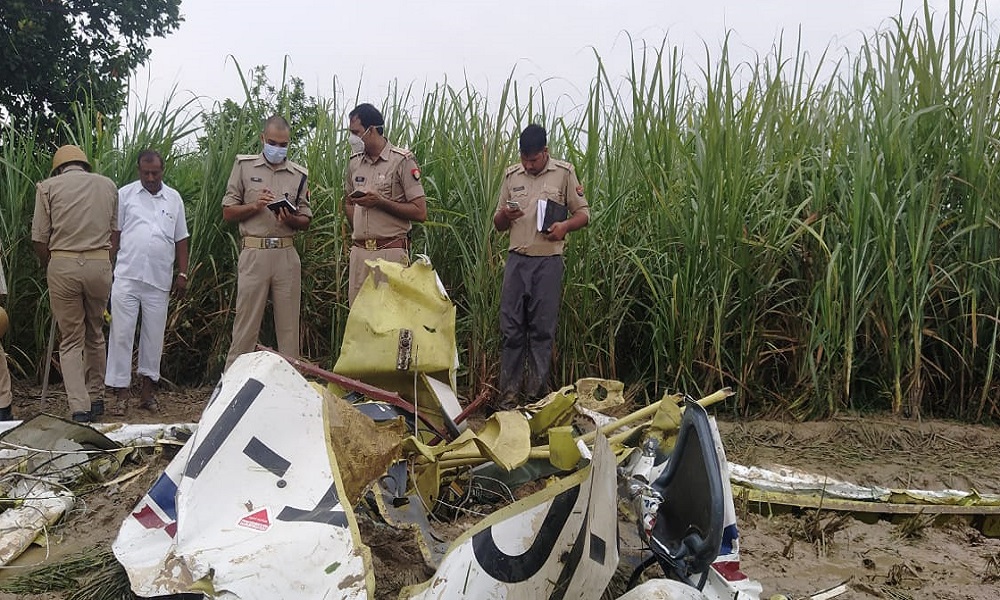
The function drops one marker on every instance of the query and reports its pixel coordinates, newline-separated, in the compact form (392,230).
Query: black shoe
(508,401)
(81,416)
(97,407)
(6,414)
(151,405)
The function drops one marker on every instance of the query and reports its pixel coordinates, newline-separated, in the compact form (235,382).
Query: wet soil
(799,553)
(791,552)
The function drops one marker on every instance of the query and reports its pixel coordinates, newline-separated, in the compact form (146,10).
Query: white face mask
(274,154)
(357,144)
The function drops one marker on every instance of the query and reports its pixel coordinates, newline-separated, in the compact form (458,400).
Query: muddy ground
(795,553)
(912,557)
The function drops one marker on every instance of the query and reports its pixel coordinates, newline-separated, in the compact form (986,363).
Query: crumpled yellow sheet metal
(555,410)
(563,452)
(599,394)
(394,299)
(588,395)
(668,414)
(505,439)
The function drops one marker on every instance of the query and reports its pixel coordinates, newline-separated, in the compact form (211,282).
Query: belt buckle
(371,245)
(272,243)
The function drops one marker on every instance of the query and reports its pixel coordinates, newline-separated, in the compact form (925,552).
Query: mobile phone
(513,205)
(357,193)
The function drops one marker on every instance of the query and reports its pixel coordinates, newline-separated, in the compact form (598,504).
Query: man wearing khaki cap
(73,235)
(268,196)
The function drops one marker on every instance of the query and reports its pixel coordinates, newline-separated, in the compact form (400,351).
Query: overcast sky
(367,44)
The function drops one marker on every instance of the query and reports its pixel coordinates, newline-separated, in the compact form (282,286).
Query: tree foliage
(263,99)
(57,52)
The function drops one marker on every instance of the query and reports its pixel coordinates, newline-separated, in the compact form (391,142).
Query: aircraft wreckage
(285,482)
(266,498)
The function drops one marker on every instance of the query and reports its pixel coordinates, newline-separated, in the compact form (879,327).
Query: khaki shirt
(556,183)
(75,211)
(251,175)
(393,175)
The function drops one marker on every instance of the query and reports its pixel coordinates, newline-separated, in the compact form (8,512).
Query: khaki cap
(69,154)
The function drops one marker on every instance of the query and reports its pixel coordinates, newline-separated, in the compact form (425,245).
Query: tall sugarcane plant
(818,232)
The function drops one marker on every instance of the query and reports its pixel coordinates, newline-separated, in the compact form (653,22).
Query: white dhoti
(129,297)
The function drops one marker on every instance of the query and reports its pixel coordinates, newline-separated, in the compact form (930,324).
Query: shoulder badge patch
(579,191)
(415,173)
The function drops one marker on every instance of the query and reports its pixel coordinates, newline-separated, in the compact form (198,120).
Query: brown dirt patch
(907,557)
(396,557)
(947,558)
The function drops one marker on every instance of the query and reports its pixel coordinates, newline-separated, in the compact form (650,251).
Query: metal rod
(47,370)
(369,391)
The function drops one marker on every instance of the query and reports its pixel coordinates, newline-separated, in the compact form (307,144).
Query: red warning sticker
(259,520)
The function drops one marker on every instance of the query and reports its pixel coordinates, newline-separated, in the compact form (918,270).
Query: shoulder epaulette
(357,154)
(562,163)
(297,167)
(406,153)
(512,169)
(243,157)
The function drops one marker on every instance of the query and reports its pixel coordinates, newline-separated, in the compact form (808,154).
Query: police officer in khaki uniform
(73,231)
(382,196)
(532,282)
(268,263)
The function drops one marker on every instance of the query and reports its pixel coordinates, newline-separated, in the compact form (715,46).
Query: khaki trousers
(359,270)
(78,292)
(277,273)
(5,395)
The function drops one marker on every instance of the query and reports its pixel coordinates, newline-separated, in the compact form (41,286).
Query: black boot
(508,401)
(6,414)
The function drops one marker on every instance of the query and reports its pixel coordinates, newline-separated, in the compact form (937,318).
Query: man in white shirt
(153,233)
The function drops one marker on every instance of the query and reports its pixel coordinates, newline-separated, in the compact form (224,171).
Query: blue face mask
(275,154)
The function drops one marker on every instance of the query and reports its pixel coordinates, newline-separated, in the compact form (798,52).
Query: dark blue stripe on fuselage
(514,569)
(238,407)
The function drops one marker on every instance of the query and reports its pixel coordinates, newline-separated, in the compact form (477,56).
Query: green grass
(819,242)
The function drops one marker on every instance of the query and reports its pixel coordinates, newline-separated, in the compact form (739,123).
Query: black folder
(554,212)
